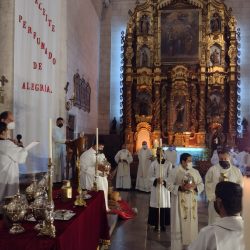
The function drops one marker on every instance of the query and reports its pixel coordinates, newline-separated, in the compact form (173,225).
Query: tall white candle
(246,211)
(160,142)
(50,138)
(97,142)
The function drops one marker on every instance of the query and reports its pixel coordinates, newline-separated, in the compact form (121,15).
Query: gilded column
(128,88)
(232,81)
(202,115)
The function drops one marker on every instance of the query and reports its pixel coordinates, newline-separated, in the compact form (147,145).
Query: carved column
(232,81)
(202,104)
(128,88)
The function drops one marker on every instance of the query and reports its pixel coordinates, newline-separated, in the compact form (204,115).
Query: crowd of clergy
(174,188)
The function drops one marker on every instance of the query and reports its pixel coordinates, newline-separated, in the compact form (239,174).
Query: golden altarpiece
(180,73)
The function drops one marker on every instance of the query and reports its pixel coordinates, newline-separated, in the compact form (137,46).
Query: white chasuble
(184,216)
(123,158)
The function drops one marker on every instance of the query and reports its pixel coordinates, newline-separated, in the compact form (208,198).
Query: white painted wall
(83,42)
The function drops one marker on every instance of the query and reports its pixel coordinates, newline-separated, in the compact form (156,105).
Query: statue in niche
(180,108)
(215,105)
(144,25)
(215,57)
(144,58)
(143,109)
(215,23)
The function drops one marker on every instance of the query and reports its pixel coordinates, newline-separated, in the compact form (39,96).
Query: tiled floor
(136,235)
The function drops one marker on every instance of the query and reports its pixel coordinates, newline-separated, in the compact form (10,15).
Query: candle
(50,138)
(246,211)
(160,142)
(97,139)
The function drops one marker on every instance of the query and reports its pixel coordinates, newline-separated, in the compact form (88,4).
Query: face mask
(11,125)
(100,151)
(144,146)
(60,125)
(225,164)
(190,165)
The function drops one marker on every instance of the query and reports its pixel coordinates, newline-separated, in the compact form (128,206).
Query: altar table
(83,232)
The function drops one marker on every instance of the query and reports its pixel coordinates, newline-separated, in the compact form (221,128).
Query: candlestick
(160,142)
(246,211)
(50,138)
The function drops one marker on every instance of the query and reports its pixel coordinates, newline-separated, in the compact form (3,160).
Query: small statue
(215,57)
(215,23)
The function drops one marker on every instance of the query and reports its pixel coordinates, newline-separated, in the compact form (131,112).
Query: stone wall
(7,50)
(83,42)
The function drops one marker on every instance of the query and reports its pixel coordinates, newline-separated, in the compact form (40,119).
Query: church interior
(169,74)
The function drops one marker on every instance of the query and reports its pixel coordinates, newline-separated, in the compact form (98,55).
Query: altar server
(159,196)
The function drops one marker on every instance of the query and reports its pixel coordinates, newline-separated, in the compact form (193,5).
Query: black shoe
(163,228)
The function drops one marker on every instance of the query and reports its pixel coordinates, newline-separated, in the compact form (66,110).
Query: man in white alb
(145,156)
(171,155)
(89,169)
(227,232)
(59,150)
(123,158)
(184,183)
(223,171)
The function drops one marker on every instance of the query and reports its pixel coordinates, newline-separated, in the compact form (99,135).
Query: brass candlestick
(79,198)
(49,228)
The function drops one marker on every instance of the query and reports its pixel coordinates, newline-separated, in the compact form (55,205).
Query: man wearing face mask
(223,171)
(123,158)
(10,156)
(159,196)
(145,156)
(227,231)
(171,155)
(59,149)
(184,183)
(8,118)
(88,161)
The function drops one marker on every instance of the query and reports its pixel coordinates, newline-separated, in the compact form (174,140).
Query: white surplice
(159,194)
(10,156)
(123,158)
(59,153)
(184,215)
(87,175)
(142,181)
(212,177)
(225,234)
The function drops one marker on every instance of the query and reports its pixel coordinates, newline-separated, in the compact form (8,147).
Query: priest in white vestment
(145,156)
(159,196)
(223,171)
(171,155)
(123,158)
(227,232)
(10,156)
(184,183)
(59,150)
(88,170)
